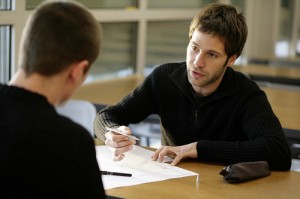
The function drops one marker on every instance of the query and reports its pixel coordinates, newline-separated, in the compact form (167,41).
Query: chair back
(80,111)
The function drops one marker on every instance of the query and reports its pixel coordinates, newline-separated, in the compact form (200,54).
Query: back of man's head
(57,34)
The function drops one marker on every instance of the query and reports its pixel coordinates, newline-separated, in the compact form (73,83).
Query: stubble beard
(207,79)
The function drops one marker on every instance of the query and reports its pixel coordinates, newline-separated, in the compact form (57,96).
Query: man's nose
(199,60)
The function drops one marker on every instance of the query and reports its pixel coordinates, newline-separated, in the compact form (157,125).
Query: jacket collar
(228,85)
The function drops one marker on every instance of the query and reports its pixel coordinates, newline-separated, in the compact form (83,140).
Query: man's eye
(212,55)
(194,48)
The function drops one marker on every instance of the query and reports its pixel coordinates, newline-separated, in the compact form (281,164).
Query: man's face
(206,62)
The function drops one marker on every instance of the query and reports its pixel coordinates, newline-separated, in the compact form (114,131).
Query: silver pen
(120,132)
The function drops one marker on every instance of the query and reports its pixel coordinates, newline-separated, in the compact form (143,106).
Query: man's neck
(39,84)
(207,90)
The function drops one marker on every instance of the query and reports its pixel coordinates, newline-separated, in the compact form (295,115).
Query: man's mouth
(196,74)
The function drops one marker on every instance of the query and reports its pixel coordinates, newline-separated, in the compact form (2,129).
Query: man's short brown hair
(222,20)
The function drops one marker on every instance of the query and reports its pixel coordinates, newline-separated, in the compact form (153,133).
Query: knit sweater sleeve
(265,141)
(133,108)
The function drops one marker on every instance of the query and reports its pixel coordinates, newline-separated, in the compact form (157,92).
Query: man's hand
(119,144)
(178,152)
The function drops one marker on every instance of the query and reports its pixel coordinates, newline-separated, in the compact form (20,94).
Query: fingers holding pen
(117,141)
(119,144)
(119,148)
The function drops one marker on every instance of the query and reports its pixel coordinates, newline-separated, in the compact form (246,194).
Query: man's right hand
(119,144)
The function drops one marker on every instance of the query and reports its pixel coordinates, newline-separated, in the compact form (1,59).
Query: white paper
(138,162)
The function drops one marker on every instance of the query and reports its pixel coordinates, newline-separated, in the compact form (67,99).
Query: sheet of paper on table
(138,162)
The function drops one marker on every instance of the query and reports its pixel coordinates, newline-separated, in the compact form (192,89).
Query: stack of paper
(138,162)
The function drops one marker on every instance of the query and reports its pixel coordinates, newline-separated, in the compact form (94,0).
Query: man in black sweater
(43,154)
(208,111)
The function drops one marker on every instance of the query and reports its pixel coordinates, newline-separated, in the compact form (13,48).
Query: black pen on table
(116,173)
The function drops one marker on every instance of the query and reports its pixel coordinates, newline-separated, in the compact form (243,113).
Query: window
(178,3)
(117,56)
(5,53)
(298,43)
(5,45)
(288,41)
(166,42)
(93,4)
(5,5)
(282,45)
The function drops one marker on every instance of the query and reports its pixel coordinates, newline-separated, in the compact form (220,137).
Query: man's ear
(78,70)
(231,60)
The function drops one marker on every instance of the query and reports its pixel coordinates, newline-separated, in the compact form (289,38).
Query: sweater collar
(228,85)
(22,94)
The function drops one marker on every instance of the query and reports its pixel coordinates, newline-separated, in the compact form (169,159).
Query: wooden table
(277,61)
(273,74)
(108,91)
(266,70)
(212,185)
(286,105)
(278,185)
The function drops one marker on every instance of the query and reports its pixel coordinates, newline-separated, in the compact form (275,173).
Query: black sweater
(43,154)
(234,124)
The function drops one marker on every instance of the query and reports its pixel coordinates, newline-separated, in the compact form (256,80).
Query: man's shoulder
(68,127)
(48,124)
(164,70)
(240,84)
(243,81)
